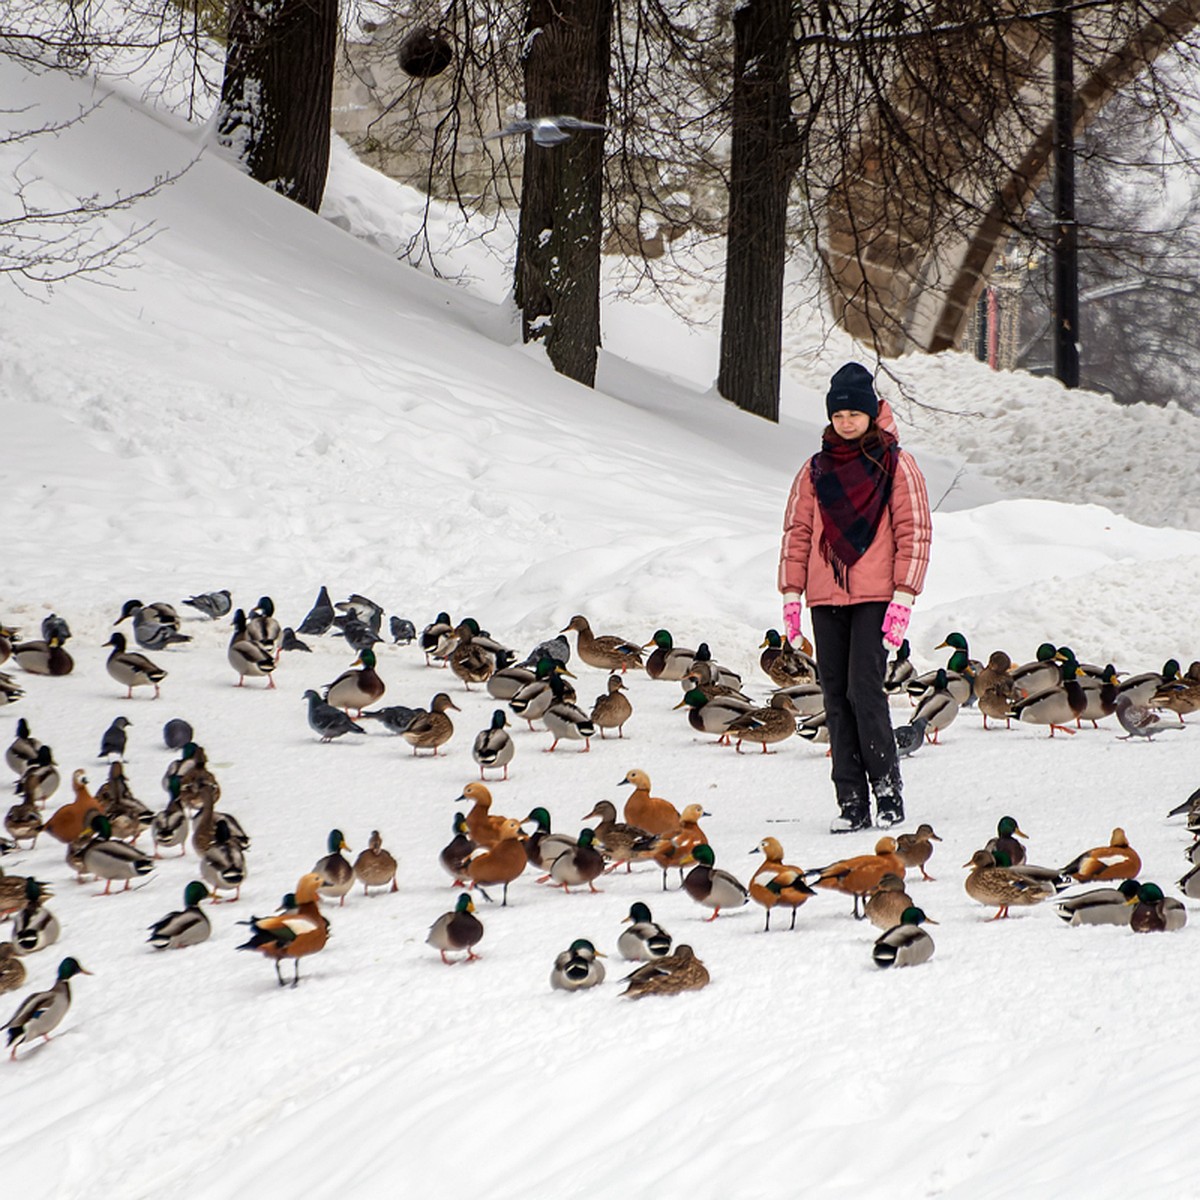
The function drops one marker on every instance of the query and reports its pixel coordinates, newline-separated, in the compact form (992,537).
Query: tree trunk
(277,92)
(557,280)
(762,162)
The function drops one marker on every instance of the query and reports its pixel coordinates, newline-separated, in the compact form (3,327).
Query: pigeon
(326,720)
(113,741)
(176,734)
(545,131)
(361,609)
(556,648)
(403,630)
(212,604)
(53,627)
(290,641)
(359,635)
(1139,721)
(320,616)
(395,717)
(910,737)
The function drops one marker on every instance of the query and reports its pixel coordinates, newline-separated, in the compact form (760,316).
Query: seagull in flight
(545,131)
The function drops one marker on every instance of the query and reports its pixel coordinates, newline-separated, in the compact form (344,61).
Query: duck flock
(73,823)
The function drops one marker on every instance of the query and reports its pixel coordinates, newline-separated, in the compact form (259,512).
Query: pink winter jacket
(895,561)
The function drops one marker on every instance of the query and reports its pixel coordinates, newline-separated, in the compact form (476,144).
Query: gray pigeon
(113,741)
(290,641)
(910,737)
(403,630)
(320,616)
(1139,721)
(212,604)
(545,131)
(395,717)
(328,721)
(359,608)
(358,635)
(53,627)
(176,734)
(556,648)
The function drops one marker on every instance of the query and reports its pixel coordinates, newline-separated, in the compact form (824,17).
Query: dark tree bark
(762,163)
(558,248)
(277,92)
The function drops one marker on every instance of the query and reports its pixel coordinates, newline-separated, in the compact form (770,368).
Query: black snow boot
(889,800)
(855,815)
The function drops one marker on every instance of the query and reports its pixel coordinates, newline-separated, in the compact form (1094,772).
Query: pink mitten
(895,620)
(791,621)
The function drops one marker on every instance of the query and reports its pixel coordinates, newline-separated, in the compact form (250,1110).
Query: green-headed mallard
(1002,888)
(187,927)
(612,709)
(131,669)
(565,719)
(41,1013)
(618,841)
(1117,860)
(23,750)
(576,967)
(709,885)
(357,687)
(766,726)
(246,656)
(1042,672)
(459,929)
(454,855)
(651,813)
(34,926)
(336,872)
(937,706)
(905,944)
(668,661)
(899,670)
(296,933)
(43,657)
(608,652)
(262,626)
(645,940)
(433,729)
(493,748)
(916,849)
(505,682)
(1180,696)
(531,702)
(223,864)
(777,882)
(714,714)
(667,976)
(375,866)
(579,864)
(1005,842)
(783,664)
(543,846)
(1100,906)
(433,636)
(1142,686)
(40,779)
(1156,913)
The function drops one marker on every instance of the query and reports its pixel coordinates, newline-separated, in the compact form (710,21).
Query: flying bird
(545,131)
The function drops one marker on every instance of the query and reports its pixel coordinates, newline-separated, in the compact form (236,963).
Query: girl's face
(849,424)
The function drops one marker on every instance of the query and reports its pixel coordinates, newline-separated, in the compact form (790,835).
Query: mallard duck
(1142,686)
(337,875)
(937,706)
(187,927)
(69,821)
(12,893)
(957,685)
(618,841)
(887,901)
(170,827)
(608,652)
(1181,696)
(34,927)
(1156,913)
(783,664)
(155,626)
(565,719)
(131,669)
(129,816)
(1189,885)
(995,691)
(905,944)
(457,851)
(543,846)
(432,635)
(676,849)
(459,929)
(493,748)
(23,750)
(159,611)
(109,859)
(43,658)
(471,660)
(41,1013)
(578,865)
(7,637)
(815,729)
(668,661)
(777,882)
(714,714)
(505,682)
(246,656)
(531,702)
(1055,706)
(645,940)
(10,690)
(261,625)
(1005,842)
(433,729)
(576,967)
(375,866)
(204,830)
(483,827)
(899,670)
(710,673)
(503,863)
(859,875)
(1100,906)
(12,969)
(40,781)
(1117,860)
(647,812)
(916,849)
(766,726)
(678,972)
(807,698)
(223,864)
(1044,671)
(960,662)
(23,822)
(1001,887)
(613,709)
(295,933)
(358,687)
(712,887)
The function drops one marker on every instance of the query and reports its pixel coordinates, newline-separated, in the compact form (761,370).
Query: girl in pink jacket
(856,537)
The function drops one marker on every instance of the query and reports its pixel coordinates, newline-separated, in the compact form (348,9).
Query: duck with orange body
(68,823)
(501,864)
(648,812)
(861,874)
(777,882)
(675,850)
(482,827)
(1117,860)
(296,933)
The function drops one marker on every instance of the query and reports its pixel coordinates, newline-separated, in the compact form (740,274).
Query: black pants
(852,659)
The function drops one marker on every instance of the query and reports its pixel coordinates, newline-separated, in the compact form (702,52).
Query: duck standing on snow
(358,687)
(714,714)
(41,1013)
(707,884)
(433,729)
(375,866)
(456,853)
(766,726)
(262,626)
(296,933)
(565,719)
(937,706)
(493,747)
(503,863)
(612,709)
(651,813)
(859,875)
(187,927)
(576,967)
(69,821)
(482,825)
(155,626)
(109,859)
(336,872)
(40,780)
(995,690)
(1055,706)
(1002,888)
(609,652)
(22,752)
(459,929)
(131,669)
(617,841)
(676,849)
(783,664)
(578,864)
(246,656)
(777,882)
(223,863)
(916,849)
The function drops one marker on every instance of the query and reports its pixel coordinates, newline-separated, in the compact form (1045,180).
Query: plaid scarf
(853,487)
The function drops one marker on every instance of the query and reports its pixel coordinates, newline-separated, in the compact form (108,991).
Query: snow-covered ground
(268,404)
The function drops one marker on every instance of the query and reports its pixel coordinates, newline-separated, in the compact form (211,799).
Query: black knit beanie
(851,389)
